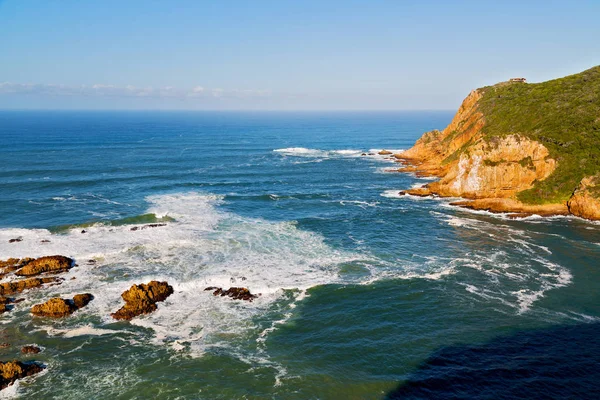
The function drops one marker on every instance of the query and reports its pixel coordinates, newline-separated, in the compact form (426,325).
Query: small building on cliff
(523,80)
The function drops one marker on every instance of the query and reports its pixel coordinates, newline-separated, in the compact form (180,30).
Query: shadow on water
(556,363)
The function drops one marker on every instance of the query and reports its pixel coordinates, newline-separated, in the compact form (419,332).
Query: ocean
(364,294)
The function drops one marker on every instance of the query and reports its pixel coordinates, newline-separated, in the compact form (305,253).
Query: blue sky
(283,54)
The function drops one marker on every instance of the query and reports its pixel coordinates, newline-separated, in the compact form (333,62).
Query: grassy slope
(563,114)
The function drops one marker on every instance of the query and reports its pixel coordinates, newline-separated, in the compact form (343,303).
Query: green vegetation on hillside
(562,114)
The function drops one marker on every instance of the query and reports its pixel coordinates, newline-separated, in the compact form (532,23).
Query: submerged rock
(12,370)
(135,228)
(46,264)
(30,349)
(142,299)
(58,307)
(19,239)
(5,304)
(236,293)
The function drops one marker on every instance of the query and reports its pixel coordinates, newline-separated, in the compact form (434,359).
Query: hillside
(519,147)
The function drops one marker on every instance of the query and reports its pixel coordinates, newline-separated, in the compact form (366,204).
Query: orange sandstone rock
(23,284)
(585,201)
(142,299)
(58,307)
(12,370)
(46,264)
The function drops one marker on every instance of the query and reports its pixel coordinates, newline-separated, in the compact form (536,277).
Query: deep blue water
(364,294)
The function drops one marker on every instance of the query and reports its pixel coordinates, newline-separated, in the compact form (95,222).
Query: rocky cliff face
(585,201)
(490,171)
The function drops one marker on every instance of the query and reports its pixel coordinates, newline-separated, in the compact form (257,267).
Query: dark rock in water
(235,293)
(5,303)
(23,284)
(83,231)
(153,226)
(135,228)
(58,308)
(91,261)
(82,300)
(19,239)
(44,241)
(10,371)
(46,264)
(142,299)
(30,349)
(363,154)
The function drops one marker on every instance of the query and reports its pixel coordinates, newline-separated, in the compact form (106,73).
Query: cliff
(517,147)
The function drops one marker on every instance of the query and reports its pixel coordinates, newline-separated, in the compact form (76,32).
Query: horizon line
(229,110)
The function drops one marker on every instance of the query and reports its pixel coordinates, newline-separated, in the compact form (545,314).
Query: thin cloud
(129,91)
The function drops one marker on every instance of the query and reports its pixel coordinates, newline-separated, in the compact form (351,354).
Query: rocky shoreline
(25,274)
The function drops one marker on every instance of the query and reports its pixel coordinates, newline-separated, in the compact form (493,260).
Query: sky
(283,54)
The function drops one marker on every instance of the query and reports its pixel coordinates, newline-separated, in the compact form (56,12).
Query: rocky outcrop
(385,153)
(236,293)
(18,286)
(515,147)
(82,300)
(46,264)
(13,264)
(473,166)
(585,201)
(489,171)
(142,299)
(59,308)
(12,370)
(30,349)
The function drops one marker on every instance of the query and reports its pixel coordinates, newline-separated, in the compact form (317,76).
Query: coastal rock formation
(235,293)
(585,201)
(23,284)
(46,264)
(142,299)
(518,148)
(58,307)
(30,349)
(12,264)
(12,370)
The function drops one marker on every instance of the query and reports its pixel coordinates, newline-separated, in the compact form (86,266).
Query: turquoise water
(364,294)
